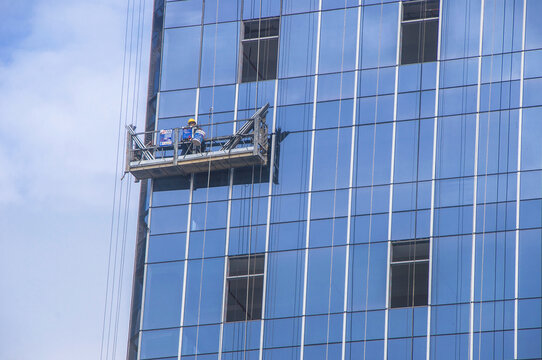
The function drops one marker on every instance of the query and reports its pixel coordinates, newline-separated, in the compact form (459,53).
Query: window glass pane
(219,54)
(166,247)
(379,35)
(460,28)
(298,45)
(228,10)
(337,40)
(177,103)
(159,344)
(239,266)
(244,298)
(182,13)
(169,219)
(163,293)
(180,62)
(533,31)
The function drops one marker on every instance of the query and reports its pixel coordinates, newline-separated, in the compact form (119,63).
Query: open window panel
(419,31)
(259,47)
(409,273)
(245,288)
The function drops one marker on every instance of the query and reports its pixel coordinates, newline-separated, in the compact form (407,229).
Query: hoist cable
(117,176)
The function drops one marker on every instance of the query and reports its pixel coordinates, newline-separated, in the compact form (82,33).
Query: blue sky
(60,85)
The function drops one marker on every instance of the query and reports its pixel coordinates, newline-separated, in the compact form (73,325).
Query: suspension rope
(121,193)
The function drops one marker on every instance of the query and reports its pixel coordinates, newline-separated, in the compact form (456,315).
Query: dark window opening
(419,31)
(409,273)
(259,50)
(245,288)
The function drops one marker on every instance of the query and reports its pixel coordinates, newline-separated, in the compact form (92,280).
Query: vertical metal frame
(520,131)
(475,185)
(433,178)
(350,184)
(392,175)
(309,195)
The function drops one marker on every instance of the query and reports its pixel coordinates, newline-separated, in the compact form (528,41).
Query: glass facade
(400,214)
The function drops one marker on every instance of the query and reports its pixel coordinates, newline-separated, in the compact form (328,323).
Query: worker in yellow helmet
(193,134)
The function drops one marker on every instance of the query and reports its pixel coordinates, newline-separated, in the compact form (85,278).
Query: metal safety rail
(247,147)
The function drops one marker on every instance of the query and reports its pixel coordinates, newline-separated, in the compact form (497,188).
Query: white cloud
(59,112)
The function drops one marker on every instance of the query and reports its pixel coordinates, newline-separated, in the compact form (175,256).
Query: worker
(192,138)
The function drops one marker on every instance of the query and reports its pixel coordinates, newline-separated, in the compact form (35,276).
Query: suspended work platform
(163,153)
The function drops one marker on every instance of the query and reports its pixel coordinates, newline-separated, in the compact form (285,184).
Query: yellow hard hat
(192,121)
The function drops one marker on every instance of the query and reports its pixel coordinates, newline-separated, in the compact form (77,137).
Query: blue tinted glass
(203,304)
(328,232)
(247,240)
(457,100)
(337,40)
(366,266)
(241,336)
(216,99)
(299,144)
(289,208)
(494,315)
(373,151)
(529,313)
(529,344)
(200,339)
(406,151)
(296,91)
(166,247)
(169,219)
(336,86)
(459,72)
(451,269)
(449,347)
(207,243)
(326,267)
(160,343)
(180,59)
(163,293)
(460,28)
(531,157)
(296,6)
(287,236)
(532,63)
(177,103)
(297,45)
(254,9)
(219,54)
(282,332)
(323,329)
(533,31)
(209,215)
(182,13)
(379,35)
(455,146)
(228,10)
(331,168)
(377,81)
(284,284)
(327,204)
(449,319)
(530,258)
(366,325)
(494,266)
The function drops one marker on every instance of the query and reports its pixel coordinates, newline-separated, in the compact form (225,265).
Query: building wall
(370,153)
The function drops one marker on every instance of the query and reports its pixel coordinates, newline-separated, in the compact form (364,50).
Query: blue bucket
(197,140)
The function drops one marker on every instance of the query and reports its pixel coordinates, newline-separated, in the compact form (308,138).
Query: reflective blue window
(325,284)
(182,13)
(166,247)
(284,284)
(228,10)
(204,291)
(219,54)
(180,59)
(159,343)
(533,31)
(451,270)
(169,219)
(460,28)
(177,103)
(379,35)
(531,154)
(297,44)
(530,269)
(162,295)
(282,333)
(338,40)
(367,265)
(200,339)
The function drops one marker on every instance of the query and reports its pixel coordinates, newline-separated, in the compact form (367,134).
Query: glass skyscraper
(399,212)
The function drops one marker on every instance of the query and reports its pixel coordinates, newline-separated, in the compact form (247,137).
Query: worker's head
(192,122)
